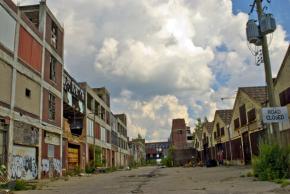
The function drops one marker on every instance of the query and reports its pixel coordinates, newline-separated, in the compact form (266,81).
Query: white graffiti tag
(45,165)
(23,167)
(51,165)
(57,165)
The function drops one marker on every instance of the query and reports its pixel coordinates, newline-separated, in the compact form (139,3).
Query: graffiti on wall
(24,164)
(51,166)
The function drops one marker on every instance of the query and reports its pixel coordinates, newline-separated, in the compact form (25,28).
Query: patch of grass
(21,185)
(282,182)
(285,183)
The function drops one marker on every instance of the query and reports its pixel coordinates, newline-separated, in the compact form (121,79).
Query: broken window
(52,71)
(54,35)
(51,107)
(243,115)
(251,115)
(237,123)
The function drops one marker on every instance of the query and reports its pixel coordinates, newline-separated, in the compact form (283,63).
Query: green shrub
(272,163)
(168,161)
(249,174)
(151,162)
(90,169)
(21,185)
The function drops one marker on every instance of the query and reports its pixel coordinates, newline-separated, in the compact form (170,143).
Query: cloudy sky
(165,59)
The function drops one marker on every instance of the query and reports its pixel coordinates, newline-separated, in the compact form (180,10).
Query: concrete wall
(29,104)
(5,82)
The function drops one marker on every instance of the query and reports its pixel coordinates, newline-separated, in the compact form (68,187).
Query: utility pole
(268,71)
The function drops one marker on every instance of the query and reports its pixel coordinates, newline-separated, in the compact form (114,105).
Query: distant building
(137,150)
(156,150)
(181,140)
(105,130)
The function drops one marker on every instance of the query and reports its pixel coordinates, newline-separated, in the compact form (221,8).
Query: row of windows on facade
(122,130)
(250,116)
(99,110)
(106,135)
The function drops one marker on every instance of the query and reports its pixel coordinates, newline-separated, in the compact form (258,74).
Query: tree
(139,136)
(198,125)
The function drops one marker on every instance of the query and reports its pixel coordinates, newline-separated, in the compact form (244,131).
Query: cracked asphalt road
(154,180)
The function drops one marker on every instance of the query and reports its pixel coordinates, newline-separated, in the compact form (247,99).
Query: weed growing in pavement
(282,182)
(250,174)
(18,185)
(272,163)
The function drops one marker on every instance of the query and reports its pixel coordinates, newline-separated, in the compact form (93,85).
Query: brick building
(156,150)
(182,141)
(31,62)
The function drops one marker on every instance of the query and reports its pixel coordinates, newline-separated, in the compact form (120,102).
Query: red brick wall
(179,139)
(58,115)
(11,5)
(57,84)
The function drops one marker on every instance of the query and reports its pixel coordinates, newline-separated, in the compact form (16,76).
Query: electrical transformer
(267,24)
(253,32)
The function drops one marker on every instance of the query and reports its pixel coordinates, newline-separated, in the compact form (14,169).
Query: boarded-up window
(222,131)
(7,32)
(50,151)
(237,123)
(218,129)
(251,115)
(243,115)
(285,97)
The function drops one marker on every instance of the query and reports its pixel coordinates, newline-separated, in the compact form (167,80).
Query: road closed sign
(275,115)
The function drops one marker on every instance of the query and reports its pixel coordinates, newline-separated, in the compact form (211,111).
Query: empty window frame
(54,35)
(52,69)
(27,93)
(51,107)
